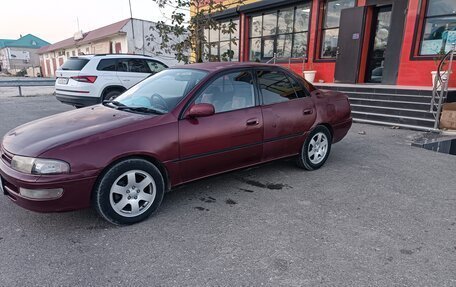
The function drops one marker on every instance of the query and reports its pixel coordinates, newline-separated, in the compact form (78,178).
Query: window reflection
(439,32)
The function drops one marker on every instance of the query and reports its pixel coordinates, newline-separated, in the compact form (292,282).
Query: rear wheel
(129,192)
(315,150)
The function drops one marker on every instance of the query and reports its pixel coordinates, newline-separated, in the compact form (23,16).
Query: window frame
(418,35)
(216,44)
(119,60)
(320,32)
(288,75)
(275,37)
(107,59)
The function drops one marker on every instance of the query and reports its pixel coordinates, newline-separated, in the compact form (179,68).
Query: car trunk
(71,68)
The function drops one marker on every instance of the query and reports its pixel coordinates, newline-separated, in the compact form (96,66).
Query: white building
(21,54)
(132,36)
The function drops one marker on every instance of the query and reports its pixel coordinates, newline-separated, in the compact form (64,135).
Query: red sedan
(177,126)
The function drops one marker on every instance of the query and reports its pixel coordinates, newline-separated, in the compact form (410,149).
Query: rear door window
(275,87)
(107,65)
(133,66)
(74,64)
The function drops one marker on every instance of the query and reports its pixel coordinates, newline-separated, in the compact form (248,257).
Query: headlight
(39,166)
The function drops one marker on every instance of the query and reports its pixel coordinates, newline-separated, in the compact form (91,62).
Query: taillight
(85,79)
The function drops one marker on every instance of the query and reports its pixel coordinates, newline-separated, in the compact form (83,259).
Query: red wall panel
(415,72)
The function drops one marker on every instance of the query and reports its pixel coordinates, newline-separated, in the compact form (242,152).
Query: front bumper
(76,191)
(78,101)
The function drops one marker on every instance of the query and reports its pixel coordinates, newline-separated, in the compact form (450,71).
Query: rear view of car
(89,80)
(74,87)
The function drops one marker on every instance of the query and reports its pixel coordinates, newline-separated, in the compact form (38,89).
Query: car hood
(34,138)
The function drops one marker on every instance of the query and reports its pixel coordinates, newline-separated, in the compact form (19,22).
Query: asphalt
(379,213)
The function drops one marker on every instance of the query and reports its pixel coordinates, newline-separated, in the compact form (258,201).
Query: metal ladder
(441,81)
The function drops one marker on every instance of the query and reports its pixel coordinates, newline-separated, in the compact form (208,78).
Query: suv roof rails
(120,54)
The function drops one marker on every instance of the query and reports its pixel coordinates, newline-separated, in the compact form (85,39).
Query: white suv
(88,80)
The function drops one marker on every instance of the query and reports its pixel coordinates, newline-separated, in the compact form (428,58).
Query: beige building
(131,36)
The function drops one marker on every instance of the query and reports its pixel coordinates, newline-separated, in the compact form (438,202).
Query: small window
(275,87)
(107,65)
(229,92)
(155,66)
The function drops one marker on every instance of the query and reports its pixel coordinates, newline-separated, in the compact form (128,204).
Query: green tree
(184,36)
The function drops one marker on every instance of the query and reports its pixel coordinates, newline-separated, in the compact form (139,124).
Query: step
(390,97)
(386,123)
(379,90)
(393,111)
(394,119)
(390,103)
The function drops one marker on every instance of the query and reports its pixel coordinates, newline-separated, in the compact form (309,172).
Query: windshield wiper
(142,110)
(114,103)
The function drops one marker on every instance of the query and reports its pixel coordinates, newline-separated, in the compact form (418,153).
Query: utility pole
(131,19)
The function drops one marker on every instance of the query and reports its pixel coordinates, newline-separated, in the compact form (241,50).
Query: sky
(54,20)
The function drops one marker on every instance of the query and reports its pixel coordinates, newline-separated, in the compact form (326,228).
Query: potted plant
(309,74)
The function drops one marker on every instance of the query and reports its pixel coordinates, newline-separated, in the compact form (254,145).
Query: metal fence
(19,83)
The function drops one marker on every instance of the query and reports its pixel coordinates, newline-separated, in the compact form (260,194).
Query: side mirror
(200,110)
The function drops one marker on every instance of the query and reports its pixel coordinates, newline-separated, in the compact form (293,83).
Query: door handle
(252,122)
(307,112)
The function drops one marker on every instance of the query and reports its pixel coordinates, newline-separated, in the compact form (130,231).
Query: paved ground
(380,213)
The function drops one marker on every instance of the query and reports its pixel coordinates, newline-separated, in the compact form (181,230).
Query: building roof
(88,37)
(28,41)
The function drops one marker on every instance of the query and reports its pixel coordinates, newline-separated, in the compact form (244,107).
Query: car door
(229,139)
(288,113)
(130,71)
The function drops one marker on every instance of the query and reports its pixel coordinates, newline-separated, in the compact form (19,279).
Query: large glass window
(330,29)
(283,32)
(439,27)
(222,42)
(229,92)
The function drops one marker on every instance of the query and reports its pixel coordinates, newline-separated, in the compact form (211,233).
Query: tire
(313,155)
(129,192)
(111,95)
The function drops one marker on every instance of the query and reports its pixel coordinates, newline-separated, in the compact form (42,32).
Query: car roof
(217,66)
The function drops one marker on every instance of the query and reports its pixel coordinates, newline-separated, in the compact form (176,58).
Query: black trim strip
(238,147)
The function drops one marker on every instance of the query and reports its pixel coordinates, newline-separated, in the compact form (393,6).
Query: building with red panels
(345,41)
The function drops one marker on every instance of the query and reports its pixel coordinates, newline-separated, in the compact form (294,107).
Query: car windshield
(160,92)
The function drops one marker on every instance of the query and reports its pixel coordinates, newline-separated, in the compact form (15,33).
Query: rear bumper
(76,191)
(80,101)
(340,130)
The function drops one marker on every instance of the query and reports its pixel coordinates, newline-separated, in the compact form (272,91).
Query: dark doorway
(381,25)
(349,45)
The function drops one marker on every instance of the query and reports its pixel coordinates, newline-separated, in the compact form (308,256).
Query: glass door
(379,44)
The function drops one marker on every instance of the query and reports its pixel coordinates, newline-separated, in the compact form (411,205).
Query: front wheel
(316,148)
(129,192)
